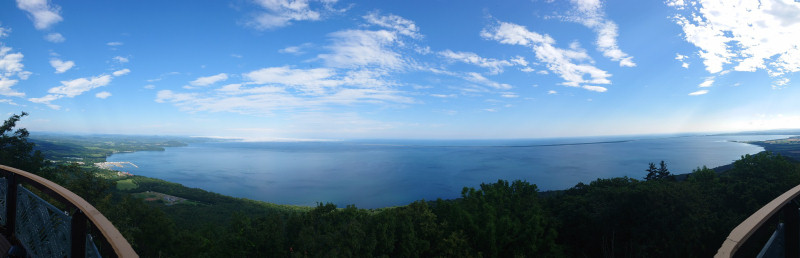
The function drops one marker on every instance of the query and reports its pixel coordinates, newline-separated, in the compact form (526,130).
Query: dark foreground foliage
(617,217)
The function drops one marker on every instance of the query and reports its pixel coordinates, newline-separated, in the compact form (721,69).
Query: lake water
(372,174)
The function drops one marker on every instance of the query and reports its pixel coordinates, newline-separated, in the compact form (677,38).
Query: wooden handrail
(748,227)
(121,246)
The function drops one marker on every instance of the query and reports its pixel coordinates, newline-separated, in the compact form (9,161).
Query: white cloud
(527,70)
(8,101)
(677,4)
(444,95)
(79,86)
(750,35)
(359,48)
(272,89)
(707,83)
(6,90)
(70,89)
(55,37)
(61,66)
(46,100)
(595,88)
(103,94)
(120,59)
(395,23)
(42,12)
(311,81)
(559,61)
(208,80)
(281,13)
(680,58)
(478,78)
(121,72)
(551,92)
(236,56)
(149,86)
(509,95)
(495,66)
(780,83)
(590,13)
(114,43)
(699,92)
(519,61)
(295,50)
(11,66)
(4,32)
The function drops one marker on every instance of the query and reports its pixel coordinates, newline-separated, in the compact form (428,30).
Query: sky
(338,69)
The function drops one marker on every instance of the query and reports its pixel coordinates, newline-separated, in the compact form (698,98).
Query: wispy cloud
(121,72)
(479,79)
(61,66)
(267,90)
(590,13)
(681,58)
(361,48)
(55,37)
(43,13)
(70,89)
(103,94)
(699,92)
(707,83)
(595,88)
(208,80)
(395,23)
(559,61)
(281,13)
(120,59)
(295,50)
(310,81)
(495,66)
(114,44)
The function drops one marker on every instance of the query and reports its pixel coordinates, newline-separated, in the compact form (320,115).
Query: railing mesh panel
(91,248)
(3,191)
(43,229)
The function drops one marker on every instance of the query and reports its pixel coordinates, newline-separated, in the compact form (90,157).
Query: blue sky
(282,69)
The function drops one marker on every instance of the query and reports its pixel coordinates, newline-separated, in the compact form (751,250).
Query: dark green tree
(15,150)
(659,173)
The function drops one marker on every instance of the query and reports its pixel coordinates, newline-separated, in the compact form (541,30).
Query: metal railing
(781,213)
(47,231)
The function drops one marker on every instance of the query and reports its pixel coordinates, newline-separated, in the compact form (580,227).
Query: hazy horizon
(336,69)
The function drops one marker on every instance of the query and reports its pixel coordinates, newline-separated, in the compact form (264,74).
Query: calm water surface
(372,174)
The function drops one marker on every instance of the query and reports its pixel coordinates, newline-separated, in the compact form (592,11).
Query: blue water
(380,173)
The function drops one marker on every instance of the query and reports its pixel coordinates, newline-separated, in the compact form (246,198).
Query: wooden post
(791,219)
(78,234)
(11,204)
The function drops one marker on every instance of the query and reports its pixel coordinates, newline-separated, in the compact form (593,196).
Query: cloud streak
(590,13)
(281,13)
(572,65)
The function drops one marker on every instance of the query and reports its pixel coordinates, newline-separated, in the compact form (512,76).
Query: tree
(15,150)
(654,173)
